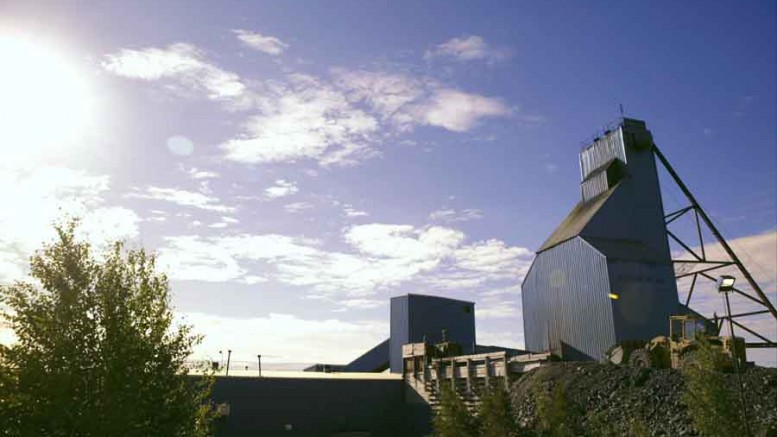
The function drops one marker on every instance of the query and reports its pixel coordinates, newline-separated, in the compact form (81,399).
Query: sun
(45,101)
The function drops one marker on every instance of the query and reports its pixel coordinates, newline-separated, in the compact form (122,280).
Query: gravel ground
(619,399)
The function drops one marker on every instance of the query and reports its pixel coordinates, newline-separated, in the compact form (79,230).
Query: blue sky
(295,164)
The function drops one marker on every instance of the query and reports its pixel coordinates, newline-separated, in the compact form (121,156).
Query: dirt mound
(605,399)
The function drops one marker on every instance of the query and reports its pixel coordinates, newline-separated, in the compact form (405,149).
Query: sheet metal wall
(566,307)
(601,151)
(635,210)
(647,297)
(594,186)
(414,316)
(400,331)
(373,359)
(320,407)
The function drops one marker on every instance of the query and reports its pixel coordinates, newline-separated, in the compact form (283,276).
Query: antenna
(620,106)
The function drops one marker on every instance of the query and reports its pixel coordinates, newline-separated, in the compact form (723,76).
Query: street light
(726,283)
(726,286)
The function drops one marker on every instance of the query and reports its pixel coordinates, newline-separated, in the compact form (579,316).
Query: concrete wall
(264,406)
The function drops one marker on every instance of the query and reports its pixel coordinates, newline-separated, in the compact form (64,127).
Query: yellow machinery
(679,348)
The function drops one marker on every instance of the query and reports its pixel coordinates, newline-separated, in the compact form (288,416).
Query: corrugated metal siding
(430,314)
(566,307)
(606,148)
(415,317)
(634,212)
(400,331)
(594,186)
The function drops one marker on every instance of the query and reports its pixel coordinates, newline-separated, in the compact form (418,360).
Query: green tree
(495,412)
(713,408)
(97,351)
(452,418)
(556,416)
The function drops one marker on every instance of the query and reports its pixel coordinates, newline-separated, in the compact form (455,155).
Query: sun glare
(45,102)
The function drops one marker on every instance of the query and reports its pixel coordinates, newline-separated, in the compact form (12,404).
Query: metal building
(415,317)
(605,274)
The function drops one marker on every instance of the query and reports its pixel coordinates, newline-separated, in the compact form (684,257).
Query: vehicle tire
(690,360)
(640,358)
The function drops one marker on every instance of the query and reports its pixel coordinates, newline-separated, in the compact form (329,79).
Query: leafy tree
(97,352)
(495,412)
(453,419)
(555,414)
(711,405)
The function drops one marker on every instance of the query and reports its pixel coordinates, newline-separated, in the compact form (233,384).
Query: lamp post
(259,361)
(726,286)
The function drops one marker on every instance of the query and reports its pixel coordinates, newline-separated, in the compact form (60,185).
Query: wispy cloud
(297,207)
(380,258)
(267,44)
(181,197)
(459,111)
(181,64)
(468,48)
(453,216)
(351,212)
(281,188)
(307,120)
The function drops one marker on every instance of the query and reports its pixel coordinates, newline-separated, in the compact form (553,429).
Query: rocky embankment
(613,400)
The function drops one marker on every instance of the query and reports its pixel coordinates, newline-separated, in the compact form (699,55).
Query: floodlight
(726,283)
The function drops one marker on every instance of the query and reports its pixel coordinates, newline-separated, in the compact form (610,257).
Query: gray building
(605,274)
(415,317)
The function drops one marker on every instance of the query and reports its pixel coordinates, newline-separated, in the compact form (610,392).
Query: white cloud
(380,258)
(459,111)
(196,173)
(39,197)
(341,123)
(452,215)
(297,207)
(267,44)
(281,188)
(468,48)
(182,63)
(352,212)
(308,120)
(182,197)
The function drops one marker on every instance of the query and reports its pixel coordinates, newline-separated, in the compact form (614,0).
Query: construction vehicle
(679,349)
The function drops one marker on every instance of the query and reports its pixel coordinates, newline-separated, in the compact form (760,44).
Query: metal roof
(577,219)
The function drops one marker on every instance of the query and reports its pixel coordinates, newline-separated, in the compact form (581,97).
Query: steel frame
(711,265)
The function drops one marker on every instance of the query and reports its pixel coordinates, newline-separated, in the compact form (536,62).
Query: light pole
(726,286)
(259,361)
(229,355)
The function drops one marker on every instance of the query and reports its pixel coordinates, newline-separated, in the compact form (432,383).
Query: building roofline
(432,296)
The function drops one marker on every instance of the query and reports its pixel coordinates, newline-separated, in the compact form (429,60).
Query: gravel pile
(613,400)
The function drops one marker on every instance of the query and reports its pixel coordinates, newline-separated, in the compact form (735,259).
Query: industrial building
(367,396)
(605,274)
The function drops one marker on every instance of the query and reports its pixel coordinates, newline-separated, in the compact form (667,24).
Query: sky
(296,164)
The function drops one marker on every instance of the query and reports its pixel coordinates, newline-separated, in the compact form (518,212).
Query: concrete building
(605,274)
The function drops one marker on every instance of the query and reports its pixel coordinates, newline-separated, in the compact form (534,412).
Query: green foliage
(555,414)
(495,412)
(453,419)
(712,407)
(97,352)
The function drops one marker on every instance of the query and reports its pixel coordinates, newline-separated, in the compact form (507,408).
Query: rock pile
(604,399)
